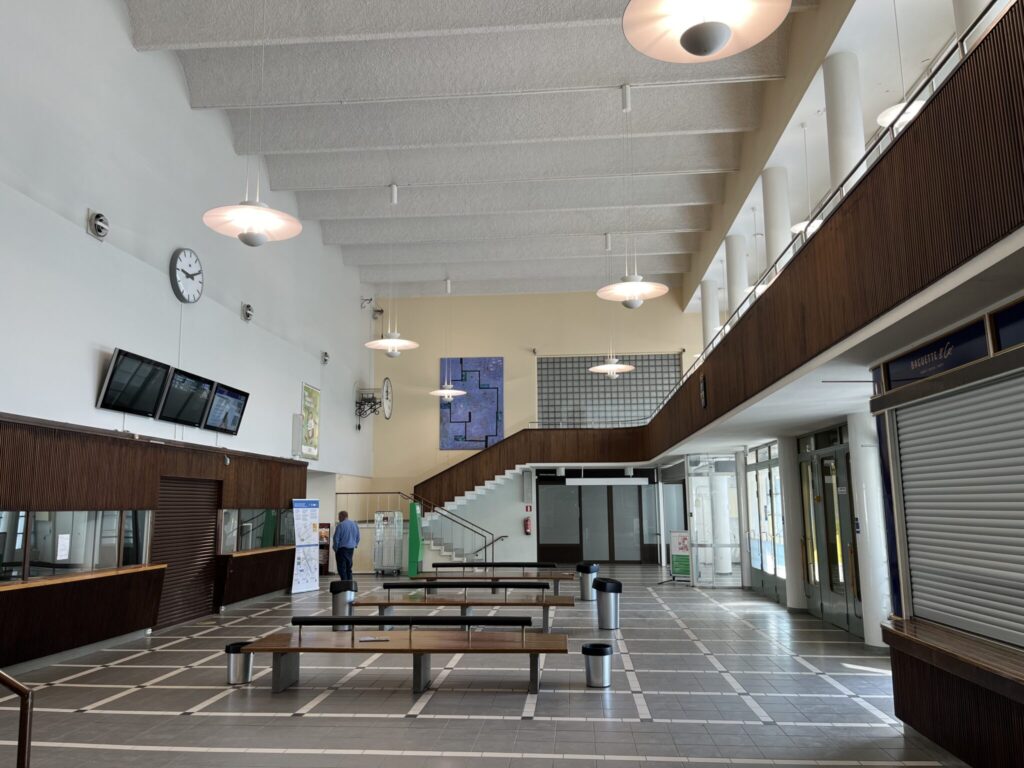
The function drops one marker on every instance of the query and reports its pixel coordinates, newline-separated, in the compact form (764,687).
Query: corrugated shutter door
(185,538)
(962,462)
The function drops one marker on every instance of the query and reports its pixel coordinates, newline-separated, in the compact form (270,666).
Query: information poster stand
(679,557)
(306,573)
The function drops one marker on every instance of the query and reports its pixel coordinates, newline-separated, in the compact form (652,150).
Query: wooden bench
(285,647)
(553,576)
(386,604)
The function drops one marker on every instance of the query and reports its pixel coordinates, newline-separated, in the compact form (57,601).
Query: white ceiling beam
(511,285)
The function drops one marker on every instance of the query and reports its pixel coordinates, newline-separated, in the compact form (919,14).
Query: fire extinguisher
(528,525)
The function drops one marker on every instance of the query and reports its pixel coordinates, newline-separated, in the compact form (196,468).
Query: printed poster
(306,516)
(310,422)
(679,553)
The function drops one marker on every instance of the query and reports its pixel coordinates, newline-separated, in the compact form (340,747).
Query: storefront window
(12,545)
(242,530)
(71,542)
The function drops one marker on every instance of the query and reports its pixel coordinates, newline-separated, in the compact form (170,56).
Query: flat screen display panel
(134,384)
(187,399)
(226,409)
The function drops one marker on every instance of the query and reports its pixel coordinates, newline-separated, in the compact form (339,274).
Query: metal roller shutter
(185,538)
(962,466)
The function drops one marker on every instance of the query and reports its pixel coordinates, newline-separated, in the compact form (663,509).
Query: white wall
(501,511)
(89,122)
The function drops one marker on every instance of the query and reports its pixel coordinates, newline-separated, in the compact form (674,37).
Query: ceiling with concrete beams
(501,123)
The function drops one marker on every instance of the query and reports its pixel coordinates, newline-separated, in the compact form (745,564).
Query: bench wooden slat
(499,564)
(414,621)
(468,584)
(398,641)
(524,601)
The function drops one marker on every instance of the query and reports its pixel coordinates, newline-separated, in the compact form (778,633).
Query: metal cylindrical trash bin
(608,591)
(597,657)
(343,594)
(587,572)
(239,664)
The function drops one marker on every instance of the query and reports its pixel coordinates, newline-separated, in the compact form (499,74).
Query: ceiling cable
(899,51)
(259,97)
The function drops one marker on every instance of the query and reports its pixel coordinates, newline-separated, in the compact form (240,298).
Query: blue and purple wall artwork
(477,419)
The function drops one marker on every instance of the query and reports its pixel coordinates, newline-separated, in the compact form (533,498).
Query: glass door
(765,538)
(594,509)
(626,536)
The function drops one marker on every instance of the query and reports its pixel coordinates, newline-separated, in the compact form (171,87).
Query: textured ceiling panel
(512,197)
(501,119)
(511,249)
(566,159)
(593,222)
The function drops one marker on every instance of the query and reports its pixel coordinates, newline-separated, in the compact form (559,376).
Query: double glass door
(830,543)
(766,536)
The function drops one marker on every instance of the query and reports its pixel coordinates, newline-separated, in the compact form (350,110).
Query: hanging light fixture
(391,341)
(806,227)
(891,116)
(253,221)
(447,392)
(700,30)
(631,290)
(611,367)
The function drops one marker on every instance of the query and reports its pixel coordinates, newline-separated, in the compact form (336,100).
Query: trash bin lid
(586,568)
(343,585)
(607,585)
(235,647)
(597,649)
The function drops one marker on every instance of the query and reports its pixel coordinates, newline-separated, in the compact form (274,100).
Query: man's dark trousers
(344,557)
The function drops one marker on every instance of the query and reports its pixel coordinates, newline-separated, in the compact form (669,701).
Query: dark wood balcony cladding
(951,185)
(249,574)
(964,693)
(50,466)
(53,615)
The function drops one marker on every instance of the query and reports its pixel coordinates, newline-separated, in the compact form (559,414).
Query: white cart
(389,532)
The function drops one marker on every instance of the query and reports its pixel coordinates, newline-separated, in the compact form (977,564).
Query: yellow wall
(405,449)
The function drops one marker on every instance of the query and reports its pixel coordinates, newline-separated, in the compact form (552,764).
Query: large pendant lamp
(891,116)
(691,31)
(391,342)
(631,290)
(612,367)
(253,222)
(805,227)
(447,392)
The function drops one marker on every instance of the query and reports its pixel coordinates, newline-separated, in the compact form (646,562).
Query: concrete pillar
(844,114)
(868,506)
(741,497)
(710,314)
(792,522)
(737,280)
(721,531)
(777,222)
(965,12)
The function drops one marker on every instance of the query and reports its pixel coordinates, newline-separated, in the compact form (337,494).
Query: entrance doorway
(766,538)
(832,578)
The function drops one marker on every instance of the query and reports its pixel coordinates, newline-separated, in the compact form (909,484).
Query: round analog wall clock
(186,275)
(387,398)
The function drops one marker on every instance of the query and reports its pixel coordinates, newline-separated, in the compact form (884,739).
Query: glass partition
(626,522)
(12,545)
(135,537)
(559,514)
(243,530)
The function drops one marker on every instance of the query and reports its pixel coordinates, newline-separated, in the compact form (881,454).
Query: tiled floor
(700,677)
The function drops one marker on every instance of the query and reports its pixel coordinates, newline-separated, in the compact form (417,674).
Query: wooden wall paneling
(242,576)
(17,465)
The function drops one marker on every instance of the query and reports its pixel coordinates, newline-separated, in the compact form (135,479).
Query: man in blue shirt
(346,539)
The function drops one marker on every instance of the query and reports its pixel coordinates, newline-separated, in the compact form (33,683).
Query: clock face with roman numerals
(186,275)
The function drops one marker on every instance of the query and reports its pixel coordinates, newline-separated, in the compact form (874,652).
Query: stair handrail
(24,693)
(477,551)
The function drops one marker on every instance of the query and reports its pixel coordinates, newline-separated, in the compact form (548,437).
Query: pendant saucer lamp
(632,290)
(447,392)
(611,367)
(392,344)
(253,222)
(807,227)
(891,116)
(692,31)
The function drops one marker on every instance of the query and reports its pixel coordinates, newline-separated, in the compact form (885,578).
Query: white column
(709,312)
(737,281)
(844,114)
(793,522)
(741,498)
(868,506)
(777,222)
(721,533)
(965,12)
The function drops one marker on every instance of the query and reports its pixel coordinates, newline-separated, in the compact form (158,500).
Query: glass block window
(568,395)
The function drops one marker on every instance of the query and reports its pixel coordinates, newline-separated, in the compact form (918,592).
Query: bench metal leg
(467,610)
(385,610)
(285,671)
(420,672)
(547,618)
(534,673)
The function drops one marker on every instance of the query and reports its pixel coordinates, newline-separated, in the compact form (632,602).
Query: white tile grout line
(642,710)
(451,754)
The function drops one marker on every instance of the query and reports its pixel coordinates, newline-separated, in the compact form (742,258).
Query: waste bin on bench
(239,664)
(343,594)
(608,591)
(597,657)
(587,572)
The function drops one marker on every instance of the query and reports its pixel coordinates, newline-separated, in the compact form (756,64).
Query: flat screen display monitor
(226,409)
(134,384)
(188,396)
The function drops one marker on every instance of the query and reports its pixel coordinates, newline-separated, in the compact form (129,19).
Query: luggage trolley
(387,543)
